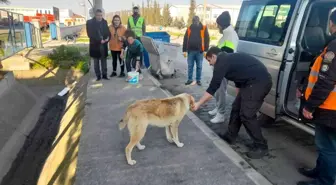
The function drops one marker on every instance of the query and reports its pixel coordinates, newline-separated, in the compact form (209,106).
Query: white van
(287,36)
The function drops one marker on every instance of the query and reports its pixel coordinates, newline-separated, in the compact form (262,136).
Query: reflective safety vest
(226,43)
(330,102)
(137,28)
(202,36)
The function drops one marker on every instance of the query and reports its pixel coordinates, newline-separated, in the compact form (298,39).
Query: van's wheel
(264,120)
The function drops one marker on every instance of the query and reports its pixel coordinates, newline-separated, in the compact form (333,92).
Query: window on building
(215,16)
(264,22)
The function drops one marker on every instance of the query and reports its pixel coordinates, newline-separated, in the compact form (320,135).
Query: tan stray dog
(167,112)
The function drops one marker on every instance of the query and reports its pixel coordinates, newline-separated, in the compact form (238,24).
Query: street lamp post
(83,4)
(97,4)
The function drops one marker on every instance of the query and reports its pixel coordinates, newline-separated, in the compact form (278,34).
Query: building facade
(214,10)
(74,20)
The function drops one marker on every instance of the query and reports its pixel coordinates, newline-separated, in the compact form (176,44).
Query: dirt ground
(28,164)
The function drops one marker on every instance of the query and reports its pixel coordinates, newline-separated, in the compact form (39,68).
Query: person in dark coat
(195,42)
(99,34)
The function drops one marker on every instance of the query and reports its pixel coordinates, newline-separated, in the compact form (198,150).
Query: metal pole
(204,11)
(98,4)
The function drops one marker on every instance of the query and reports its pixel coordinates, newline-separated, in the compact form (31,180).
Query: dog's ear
(191,101)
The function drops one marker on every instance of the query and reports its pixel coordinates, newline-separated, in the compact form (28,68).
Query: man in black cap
(254,83)
(227,43)
(195,42)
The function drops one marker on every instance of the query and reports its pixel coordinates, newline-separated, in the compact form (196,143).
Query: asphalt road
(290,147)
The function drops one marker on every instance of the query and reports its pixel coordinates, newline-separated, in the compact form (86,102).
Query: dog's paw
(141,147)
(180,145)
(170,140)
(132,162)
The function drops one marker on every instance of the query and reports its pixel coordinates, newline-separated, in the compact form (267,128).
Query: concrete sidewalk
(204,160)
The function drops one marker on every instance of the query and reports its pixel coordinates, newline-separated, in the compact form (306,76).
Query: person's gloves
(185,54)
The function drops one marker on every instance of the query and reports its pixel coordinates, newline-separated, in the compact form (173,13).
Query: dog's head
(191,101)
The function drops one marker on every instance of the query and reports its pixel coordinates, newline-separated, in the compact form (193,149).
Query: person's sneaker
(218,118)
(189,82)
(226,137)
(311,173)
(257,152)
(113,74)
(98,79)
(199,83)
(213,112)
(105,78)
(122,75)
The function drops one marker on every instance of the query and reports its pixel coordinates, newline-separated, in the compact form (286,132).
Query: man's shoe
(314,182)
(227,138)
(105,78)
(311,173)
(113,74)
(98,79)
(199,83)
(189,82)
(257,152)
(213,112)
(218,118)
(122,75)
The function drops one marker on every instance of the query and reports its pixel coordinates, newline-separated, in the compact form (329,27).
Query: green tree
(156,13)
(143,10)
(167,19)
(192,13)
(182,23)
(149,13)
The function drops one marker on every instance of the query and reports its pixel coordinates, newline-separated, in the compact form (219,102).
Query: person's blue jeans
(195,57)
(325,140)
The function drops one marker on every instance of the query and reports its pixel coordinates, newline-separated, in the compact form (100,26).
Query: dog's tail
(122,124)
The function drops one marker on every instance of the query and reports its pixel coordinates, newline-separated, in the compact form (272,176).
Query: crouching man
(254,83)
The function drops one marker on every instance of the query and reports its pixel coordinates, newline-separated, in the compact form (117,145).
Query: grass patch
(65,57)
(83,39)
(176,34)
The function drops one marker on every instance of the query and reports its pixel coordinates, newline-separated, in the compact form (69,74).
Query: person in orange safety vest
(195,43)
(319,105)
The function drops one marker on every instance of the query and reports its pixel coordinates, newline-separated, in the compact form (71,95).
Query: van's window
(264,22)
(328,31)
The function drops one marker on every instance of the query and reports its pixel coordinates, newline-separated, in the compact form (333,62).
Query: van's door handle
(272,54)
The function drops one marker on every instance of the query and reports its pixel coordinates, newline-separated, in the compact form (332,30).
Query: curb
(225,148)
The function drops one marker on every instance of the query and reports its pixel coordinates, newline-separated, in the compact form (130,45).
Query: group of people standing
(117,38)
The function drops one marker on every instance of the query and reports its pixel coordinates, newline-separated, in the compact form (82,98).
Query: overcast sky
(108,5)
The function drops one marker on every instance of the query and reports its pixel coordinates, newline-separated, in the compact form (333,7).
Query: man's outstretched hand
(196,106)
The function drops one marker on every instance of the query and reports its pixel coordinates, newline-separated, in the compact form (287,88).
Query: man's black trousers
(244,111)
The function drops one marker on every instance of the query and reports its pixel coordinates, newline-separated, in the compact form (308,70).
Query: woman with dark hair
(116,44)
